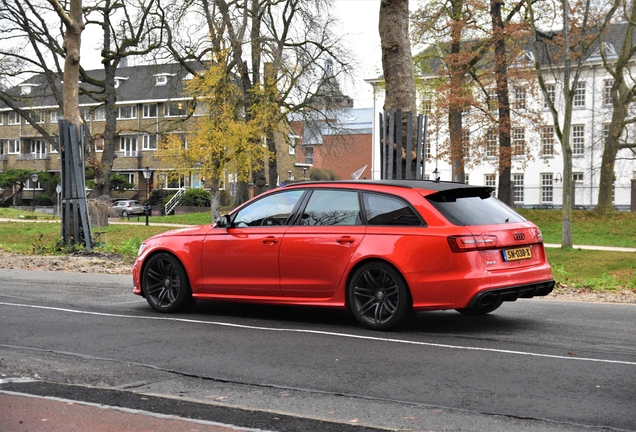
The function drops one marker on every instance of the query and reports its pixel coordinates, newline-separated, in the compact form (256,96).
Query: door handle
(269,240)
(345,240)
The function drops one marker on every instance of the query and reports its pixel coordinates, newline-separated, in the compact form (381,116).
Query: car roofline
(433,185)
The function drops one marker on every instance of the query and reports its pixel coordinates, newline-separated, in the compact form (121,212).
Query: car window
(332,207)
(271,210)
(389,210)
(470,207)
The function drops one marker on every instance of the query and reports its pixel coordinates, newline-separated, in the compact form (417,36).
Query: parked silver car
(125,208)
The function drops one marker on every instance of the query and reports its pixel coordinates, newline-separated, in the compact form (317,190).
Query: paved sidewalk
(22,412)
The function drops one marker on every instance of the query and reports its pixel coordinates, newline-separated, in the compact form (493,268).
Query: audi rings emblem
(519,236)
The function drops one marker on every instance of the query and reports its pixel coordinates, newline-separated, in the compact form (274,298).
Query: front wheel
(165,284)
(124,214)
(379,297)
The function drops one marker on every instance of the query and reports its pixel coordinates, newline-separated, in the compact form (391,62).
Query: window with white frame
(127,112)
(150,141)
(579,94)
(290,175)
(466,143)
(128,145)
(130,177)
(309,155)
(100,113)
(150,110)
(547,191)
(518,142)
(176,108)
(490,180)
(467,178)
(577,177)
(520,97)
(517,191)
(1,147)
(38,148)
(13,146)
(54,116)
(13,118)
(38,116)
(493,99)
(52,149)
(427,104)
(607,92)
(578,139)
(547,141)
(99,144)
(492,142)
(293,141)
(551,91)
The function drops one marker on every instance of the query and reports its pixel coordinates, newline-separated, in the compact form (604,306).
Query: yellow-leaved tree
(225,138)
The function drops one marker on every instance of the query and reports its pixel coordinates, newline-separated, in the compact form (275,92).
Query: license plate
(517,254)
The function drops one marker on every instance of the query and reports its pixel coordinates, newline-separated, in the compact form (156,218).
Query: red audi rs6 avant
(382,249)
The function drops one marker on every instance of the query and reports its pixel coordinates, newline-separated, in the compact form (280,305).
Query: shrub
(195,197)
(317,174)
(43,200)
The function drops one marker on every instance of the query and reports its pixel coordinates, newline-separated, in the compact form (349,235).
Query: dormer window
(162,79)
(119,81)
(25,89)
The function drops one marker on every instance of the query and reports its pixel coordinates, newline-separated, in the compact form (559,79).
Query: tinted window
(388,210)
(332,207)
(272,210)
(469,207)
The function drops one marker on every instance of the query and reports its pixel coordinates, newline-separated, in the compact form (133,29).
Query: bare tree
(561,55)
(623,92)
(277,53)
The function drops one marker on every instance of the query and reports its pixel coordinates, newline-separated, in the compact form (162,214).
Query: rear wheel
(165,283)
(124,214)
(379,297)
(481,309)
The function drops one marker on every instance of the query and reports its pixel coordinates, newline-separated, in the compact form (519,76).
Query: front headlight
(141,248)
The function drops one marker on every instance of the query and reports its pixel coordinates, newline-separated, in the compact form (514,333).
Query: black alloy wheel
(379,297)
(165,284)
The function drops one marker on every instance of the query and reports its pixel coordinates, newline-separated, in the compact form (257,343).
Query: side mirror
(223,221)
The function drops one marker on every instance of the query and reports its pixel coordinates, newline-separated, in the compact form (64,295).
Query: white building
(537,163)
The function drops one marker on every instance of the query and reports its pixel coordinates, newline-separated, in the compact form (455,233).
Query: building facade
(150,105)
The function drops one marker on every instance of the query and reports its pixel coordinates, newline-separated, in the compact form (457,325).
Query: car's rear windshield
(475,206)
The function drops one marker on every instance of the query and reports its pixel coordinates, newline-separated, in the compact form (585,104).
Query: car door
(242,259)
(317,249)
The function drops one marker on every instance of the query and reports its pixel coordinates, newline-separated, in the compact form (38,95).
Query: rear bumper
(512,293)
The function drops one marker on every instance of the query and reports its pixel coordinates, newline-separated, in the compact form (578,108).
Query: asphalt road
(533,365)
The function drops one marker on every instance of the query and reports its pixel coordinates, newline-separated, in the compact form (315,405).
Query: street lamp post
(147,174)
(34,180)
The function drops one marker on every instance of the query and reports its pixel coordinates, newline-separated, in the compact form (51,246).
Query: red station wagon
(382,249)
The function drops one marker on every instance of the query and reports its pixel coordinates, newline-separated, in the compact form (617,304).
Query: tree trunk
(72,42)
(397,61)
(503,103)
(456,105)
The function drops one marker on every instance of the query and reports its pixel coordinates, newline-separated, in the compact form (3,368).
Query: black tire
(124,214)
(379,297)
(165,284)
(481,310)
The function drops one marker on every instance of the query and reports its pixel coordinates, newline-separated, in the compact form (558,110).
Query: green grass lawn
(589,269)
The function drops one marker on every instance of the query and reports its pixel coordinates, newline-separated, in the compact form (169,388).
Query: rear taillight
(538,235)
(470,243)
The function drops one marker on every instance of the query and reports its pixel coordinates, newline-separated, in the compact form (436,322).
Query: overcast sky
(359,20)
